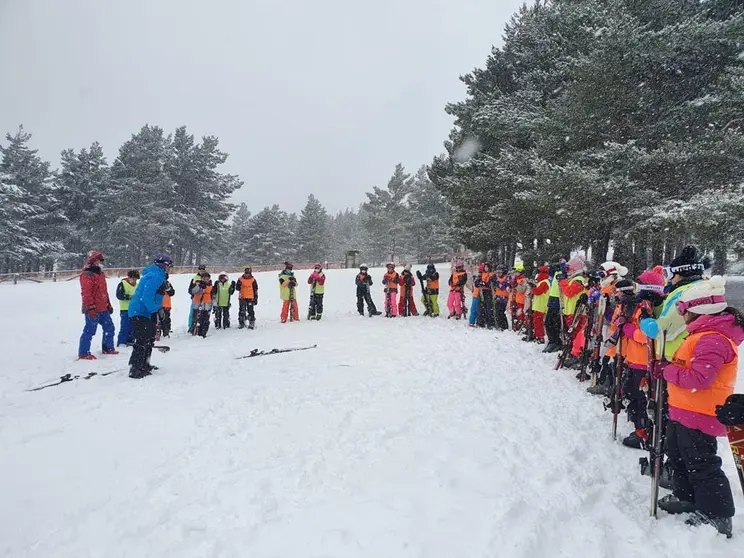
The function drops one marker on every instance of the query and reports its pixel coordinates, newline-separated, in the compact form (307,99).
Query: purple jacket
(711,353)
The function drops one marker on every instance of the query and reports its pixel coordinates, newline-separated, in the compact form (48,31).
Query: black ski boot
(673,505)
(722,524)
(241,326)
(600,389)
(252,324)
(552,348)
(138,374)
(635,441)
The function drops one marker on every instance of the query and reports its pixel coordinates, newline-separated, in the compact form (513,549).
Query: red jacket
(94,290)
(541,289)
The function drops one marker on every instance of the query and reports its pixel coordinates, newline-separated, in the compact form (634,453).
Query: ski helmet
(288,265)
(248,270)
(223,274)
(206,276)
(318,266)
(481,268)
(407,267)
(459,265)
(94,256)
(390,264)
(363,267)
(430,267)
(163,260)
(202,267)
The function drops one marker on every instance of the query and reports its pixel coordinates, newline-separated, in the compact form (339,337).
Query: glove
(255,301)
(619,321)
(731,413)
(110,309)
(657,370)
(629,330)
(650,327)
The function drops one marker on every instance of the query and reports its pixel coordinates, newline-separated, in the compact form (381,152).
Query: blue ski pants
(91,326)
(474,305)
(126,333)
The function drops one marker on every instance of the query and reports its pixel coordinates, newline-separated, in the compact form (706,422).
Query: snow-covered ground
(407,437)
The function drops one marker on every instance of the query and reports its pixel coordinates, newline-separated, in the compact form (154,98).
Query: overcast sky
(307,96)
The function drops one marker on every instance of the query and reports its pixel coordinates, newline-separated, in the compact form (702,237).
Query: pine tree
(82,181)
(386,216)
(313,232)
(32,221)
(430,218)
(238,249)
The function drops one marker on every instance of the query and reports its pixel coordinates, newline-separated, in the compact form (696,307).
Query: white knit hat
(576,265)
(705,297)
(614,268)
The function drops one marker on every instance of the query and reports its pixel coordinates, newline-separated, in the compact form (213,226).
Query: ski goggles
(684,305)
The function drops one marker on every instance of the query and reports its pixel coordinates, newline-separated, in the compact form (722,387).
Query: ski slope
(394,438)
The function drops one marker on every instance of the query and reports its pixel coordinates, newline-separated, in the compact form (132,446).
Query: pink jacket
(711,352)
(316,278)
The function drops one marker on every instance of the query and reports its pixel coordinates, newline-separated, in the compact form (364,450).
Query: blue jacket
(148,296)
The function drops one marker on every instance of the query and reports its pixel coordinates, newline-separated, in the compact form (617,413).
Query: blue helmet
(163,260)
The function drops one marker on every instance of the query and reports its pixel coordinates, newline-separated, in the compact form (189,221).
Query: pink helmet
(459,265)
(481,268)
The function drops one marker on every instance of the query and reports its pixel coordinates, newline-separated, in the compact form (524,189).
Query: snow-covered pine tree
(32,225)
(313,235)
(430,219)
(201,195)
(82,179)
(237,249)
(386,216)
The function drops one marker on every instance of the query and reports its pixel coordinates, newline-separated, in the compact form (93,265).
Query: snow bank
(407,437)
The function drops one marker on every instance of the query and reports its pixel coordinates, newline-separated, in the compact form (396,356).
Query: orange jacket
(390,280)
(204,296)
(247,287)
(457,281)
(634,348)
(704,400)
(520,296)
(403,279)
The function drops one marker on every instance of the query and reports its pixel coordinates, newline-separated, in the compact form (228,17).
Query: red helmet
(94,256)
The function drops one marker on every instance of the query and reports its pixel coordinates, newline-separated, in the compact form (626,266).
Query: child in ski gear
(520,294)
(247,288)
(363,283)
(686,270)
(287,293)
(96,308)
(553,317)
(194,280)
(701,377)
(476,314)
(501,289)
(202,301)
(483,282)
(457,282)
(540,302)
(222,290)
(143,308)
(650,287)
(164,315)
(430,298)
(317,281)
(391,280)
(124,292)
(406,282)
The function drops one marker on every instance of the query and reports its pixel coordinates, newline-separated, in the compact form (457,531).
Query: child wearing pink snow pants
(454,303)
(391,303)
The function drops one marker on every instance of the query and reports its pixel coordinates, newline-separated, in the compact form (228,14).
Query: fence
(70,274)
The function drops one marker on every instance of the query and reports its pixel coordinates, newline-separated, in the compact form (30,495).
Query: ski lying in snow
(161,348)
(70,378)
(257,353)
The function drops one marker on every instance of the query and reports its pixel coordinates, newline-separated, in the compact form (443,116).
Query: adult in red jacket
(96,308)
